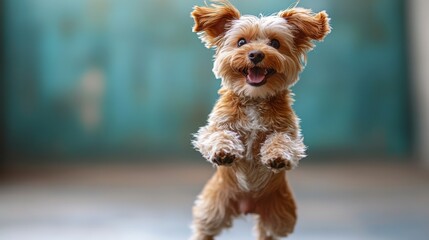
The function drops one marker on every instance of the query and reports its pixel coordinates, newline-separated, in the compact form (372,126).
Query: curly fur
(252,134)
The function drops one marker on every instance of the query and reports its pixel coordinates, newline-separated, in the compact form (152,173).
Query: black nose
(256,56)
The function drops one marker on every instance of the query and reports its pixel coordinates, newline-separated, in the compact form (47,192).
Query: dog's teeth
(266,71)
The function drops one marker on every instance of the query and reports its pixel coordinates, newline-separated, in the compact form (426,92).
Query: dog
(253,135)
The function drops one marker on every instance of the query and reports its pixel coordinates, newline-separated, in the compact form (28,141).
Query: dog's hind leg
(261,231)
(214,210)
(277,214)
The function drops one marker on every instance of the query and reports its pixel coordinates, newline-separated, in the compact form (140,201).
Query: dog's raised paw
(278,164)
(223,158)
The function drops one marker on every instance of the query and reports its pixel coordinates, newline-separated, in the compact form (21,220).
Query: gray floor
(336,201)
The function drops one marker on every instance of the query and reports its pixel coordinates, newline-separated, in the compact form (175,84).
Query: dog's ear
(306,26)
(211,22)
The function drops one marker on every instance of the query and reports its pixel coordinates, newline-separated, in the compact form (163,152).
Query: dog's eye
(275,43)
(241,42)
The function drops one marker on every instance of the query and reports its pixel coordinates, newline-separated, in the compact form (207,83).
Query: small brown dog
(253,135)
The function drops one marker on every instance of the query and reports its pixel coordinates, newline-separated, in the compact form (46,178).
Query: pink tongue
(256,75)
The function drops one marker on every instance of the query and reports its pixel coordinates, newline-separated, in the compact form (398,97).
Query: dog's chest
(251,174)
(252,131)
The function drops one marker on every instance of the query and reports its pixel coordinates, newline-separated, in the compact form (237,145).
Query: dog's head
(258,56)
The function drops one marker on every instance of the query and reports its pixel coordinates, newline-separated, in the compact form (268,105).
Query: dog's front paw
(280,152)
(278,164)
(223,159)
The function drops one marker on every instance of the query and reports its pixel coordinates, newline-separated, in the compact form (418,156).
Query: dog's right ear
(306,26)
(211,22)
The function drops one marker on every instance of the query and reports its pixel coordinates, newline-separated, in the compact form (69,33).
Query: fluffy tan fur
(253,135)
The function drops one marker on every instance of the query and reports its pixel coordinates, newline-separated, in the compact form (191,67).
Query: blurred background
(100,98)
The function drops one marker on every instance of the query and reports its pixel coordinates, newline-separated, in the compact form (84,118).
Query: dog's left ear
(212,22)
(306,26)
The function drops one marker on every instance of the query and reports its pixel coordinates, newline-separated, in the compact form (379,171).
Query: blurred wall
(420,68)
(2,85)
(101,78)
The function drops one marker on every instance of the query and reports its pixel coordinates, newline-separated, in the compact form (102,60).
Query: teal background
(153,83)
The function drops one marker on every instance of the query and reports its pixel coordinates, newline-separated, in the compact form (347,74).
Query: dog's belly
(246,205)
(251,175)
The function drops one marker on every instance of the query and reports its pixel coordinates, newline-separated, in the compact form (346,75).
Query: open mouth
(257,76)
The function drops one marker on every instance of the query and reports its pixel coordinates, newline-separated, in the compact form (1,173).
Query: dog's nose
(256,56)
